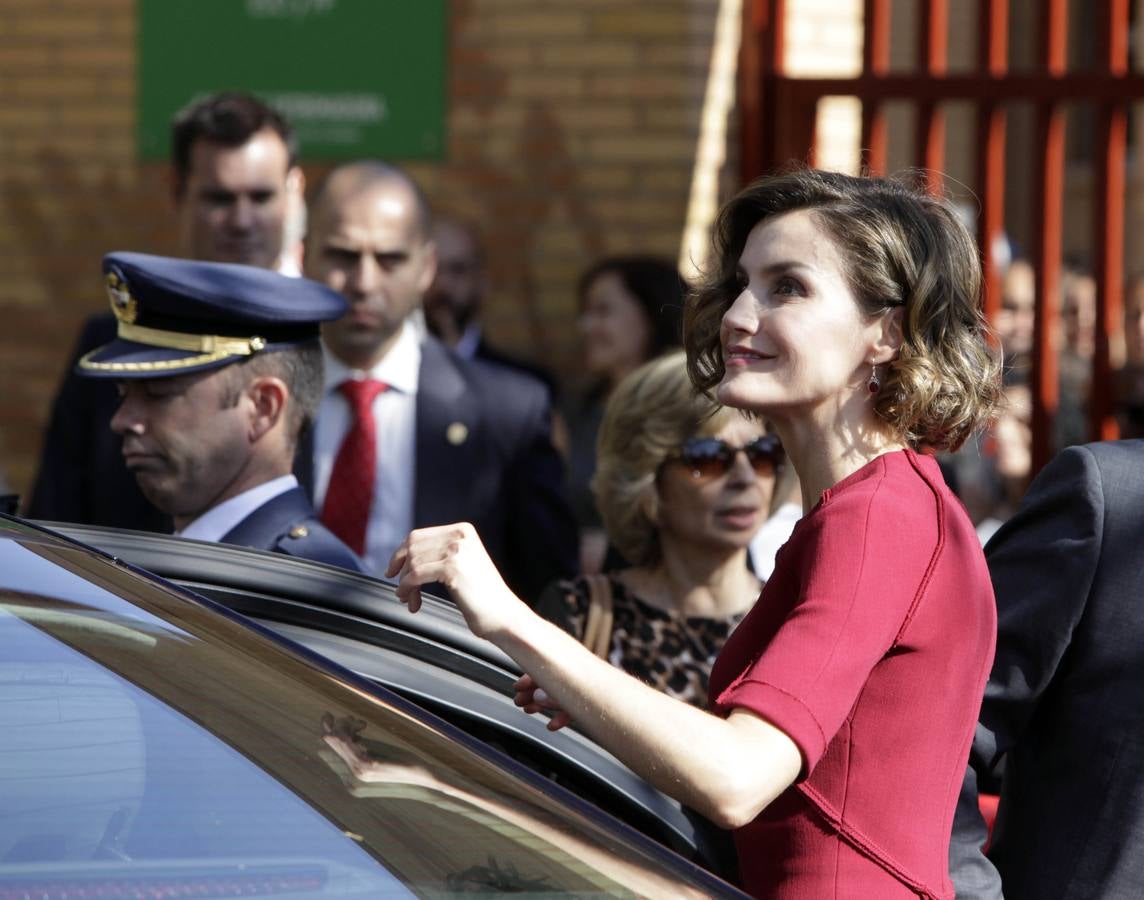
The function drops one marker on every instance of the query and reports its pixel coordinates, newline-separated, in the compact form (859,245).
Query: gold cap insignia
(125,307)
(457,433)
(299,531)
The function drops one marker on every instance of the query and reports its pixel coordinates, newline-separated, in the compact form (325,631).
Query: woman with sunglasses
(682,484)
(848,312)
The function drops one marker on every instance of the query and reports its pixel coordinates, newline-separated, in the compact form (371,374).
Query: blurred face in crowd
(796,343)
(1016,316)
(1134,323)
(1078,315)
(712,509)
(367,244)
(459,287)
(614,328)
(1012,433)
(234,203)
(186,444)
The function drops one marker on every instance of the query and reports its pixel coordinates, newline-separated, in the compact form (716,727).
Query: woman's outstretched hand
(532,699)
(454,556)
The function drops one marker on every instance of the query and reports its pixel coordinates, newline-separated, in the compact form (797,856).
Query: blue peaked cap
(178,316)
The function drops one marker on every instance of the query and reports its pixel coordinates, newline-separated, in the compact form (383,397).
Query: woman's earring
(874,385)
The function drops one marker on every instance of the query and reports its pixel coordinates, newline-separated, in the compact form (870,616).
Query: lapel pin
(457,433)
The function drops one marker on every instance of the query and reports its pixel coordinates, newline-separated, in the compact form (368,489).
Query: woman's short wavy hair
(903,248)
(649,415)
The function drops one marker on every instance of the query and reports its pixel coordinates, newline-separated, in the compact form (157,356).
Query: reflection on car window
(144,734)
(101,784)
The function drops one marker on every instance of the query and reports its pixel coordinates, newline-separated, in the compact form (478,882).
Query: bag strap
(598,621)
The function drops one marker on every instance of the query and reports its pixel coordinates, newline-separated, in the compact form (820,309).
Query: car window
(94,770)
(159,739)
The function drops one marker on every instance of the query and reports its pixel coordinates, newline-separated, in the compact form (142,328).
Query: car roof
(100,606)
(430,658)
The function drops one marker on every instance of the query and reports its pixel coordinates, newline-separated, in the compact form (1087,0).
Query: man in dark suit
(409,434)
(1064,702)
(219,368)
(235,180)
(454,300)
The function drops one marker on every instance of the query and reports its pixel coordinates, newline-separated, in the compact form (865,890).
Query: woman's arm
(727,769)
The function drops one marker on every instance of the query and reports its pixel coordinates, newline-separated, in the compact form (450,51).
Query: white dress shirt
(773,534)
(395,415)
(214,524)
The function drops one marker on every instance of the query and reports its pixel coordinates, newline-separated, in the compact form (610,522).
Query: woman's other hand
(454,556)
(532,699)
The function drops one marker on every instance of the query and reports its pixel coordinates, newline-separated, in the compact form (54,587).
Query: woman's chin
(736,393)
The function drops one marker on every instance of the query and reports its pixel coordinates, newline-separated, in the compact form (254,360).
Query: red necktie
(350,492)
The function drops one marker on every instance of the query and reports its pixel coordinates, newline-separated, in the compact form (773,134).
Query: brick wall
(571,134)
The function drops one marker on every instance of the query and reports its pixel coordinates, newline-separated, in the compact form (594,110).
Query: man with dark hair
(235,174)
(218,368)
(409,434)
(235,181)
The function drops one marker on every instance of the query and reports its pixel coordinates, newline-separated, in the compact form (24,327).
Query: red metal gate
(778,115)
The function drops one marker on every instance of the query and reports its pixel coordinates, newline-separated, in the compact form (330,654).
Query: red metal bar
(795,140)
(875,64)
(1026,86)
(793,136)
(785,138)
(1108,222)
(751,81)
(1049,190)
(993,38)
(993,62)
(929,141)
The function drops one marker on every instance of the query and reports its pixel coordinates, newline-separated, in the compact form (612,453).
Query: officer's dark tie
(350,492)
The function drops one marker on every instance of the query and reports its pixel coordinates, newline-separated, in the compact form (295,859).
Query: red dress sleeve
(846,587)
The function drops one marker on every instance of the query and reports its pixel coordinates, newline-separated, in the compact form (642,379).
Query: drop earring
(874,385)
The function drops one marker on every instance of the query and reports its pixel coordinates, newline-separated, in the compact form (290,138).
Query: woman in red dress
(848,312)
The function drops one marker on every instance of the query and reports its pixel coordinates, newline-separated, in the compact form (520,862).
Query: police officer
(237,188)
(219,370)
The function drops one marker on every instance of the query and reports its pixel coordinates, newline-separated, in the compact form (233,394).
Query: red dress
(869,648)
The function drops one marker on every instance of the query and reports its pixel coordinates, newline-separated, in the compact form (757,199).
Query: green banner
(355,77)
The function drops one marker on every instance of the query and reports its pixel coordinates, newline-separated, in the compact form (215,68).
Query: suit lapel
(446,440)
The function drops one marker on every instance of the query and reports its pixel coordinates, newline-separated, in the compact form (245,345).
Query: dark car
(157,744)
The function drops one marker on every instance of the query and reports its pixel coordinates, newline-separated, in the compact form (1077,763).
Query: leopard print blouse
(671,652)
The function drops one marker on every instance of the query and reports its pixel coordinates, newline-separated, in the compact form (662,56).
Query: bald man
(409,434)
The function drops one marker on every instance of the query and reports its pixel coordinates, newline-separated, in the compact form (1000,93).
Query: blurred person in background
(235,179)
(785,511)
(630,312)
(973,471)
(1016,318)
(456,298)
(1077,347)
(1008,448)
(1130,379)
(993,468)
(682,485)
